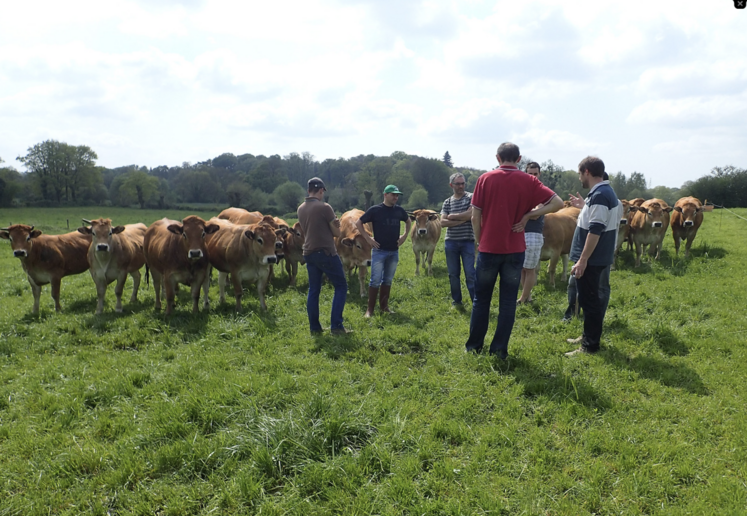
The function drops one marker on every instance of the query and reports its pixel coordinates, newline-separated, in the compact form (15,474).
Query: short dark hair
(593,165)
(509,152)
(534,164)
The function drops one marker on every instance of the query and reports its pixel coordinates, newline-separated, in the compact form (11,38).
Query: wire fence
(727,209)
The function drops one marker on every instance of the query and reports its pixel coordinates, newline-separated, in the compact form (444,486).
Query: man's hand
(371,241)
(579,268)
(576,200)
(336,223)
(519,226)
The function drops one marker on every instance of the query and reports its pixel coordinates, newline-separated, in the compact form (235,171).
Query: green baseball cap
(392,189)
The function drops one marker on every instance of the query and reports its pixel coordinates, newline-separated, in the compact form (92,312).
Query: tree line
(59,174)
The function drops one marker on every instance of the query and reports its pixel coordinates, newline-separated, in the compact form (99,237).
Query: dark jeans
(318,263)
(460,251)
(594,309)
(604,289)
(489,267)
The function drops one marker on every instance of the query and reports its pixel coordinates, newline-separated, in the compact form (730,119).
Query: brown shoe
(384,299)
(580,351)
(577,340)
(373,293)
(340,331)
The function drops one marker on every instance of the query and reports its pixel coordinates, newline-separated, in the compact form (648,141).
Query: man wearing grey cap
(321,225)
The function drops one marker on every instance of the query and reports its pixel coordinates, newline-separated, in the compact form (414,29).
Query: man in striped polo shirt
(456,216)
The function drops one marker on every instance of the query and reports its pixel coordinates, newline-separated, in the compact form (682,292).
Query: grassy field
(226,413)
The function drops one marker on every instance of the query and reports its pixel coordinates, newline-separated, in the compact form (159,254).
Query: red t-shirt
(505,195)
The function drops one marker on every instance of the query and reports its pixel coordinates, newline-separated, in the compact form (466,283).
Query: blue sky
(654,87)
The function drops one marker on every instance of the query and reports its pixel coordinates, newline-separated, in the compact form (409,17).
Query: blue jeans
(383,267)
(489,267)
(604,289)
(318,263)
(464,251)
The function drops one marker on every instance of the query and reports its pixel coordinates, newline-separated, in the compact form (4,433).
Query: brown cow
(353,249)
(246,253)
(558,237)
(114,253)
(623,232)
(240,216)
(293,241)
(686,219)
(648,227)
(47,258)
(176,253)
(425,235)
(635,202)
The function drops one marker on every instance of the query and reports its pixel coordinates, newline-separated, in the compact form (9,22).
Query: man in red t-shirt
(503,201)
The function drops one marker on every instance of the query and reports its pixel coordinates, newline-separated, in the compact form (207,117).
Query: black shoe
(568,315)
(341,331)
(317,333)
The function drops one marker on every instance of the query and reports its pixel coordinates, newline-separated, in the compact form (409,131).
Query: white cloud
(694,112)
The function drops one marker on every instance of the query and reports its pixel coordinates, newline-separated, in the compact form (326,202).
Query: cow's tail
(147,276)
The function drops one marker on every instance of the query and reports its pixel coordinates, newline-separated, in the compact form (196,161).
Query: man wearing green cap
(385,218)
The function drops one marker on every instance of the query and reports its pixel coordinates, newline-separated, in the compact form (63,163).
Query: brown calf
(686,219)
(648,227)
(353,248)
(47,258)
(176,253)
(558,237)
(425,234)
(114,253)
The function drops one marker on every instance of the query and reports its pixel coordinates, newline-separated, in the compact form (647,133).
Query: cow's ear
(177,229)
(433,216)
(668,209)
(280,232)
(347,242)
(412,217)
(641,208)
(633,208)
(85,230)
(211,228)
(35,233)
(4,235)
(677,209)
(117,230)
(249,234)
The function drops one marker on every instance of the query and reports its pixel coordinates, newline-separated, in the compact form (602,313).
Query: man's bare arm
(476,223)
(554,204)
(334,225)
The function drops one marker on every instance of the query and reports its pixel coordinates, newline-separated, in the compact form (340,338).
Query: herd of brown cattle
(245,245)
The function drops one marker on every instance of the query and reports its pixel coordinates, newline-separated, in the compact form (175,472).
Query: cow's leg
(101,285)
(551,267)
(135,285)
(237,290)
(170,286)
(56,293)
(222,278)
(119,289)
(688,243)
(362,270)
(157,286)
(638,253)
(417,263)
(293,273)
(206,288)
(36,291)
(564,277)
(261,287)
(430,261)
(195,289)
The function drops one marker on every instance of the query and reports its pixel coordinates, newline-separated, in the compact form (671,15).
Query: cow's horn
(87,221)
(32,228)
(4,229)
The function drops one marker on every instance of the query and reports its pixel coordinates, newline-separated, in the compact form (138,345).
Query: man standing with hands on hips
(385,218)
(502,203)
(321,225)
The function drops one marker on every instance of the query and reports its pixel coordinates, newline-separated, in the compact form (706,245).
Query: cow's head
(421,218)
(689,211)
(21,238)
(193,230)
(625,213)
(358,249)
(101,230)
(264,238)
(656,214)
(294,238)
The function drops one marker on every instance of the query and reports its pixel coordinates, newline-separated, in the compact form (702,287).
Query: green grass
(226,413)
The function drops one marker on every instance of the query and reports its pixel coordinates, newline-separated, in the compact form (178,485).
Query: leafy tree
(226,161)
(725,186)
(237,193)
(11,184)
(288,196)
(137,186)
(268,174)
(197,186)
(447,160)
(432,175)
(418,199)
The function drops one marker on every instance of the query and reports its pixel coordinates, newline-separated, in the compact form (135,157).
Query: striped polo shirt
(453,205)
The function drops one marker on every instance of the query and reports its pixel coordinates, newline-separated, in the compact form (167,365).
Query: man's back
(505,195)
